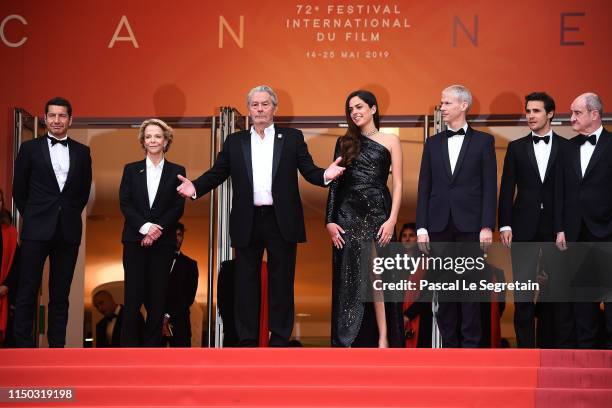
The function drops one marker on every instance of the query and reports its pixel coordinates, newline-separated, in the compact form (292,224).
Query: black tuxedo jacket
(588,199)
(182,287)
(469,194)
(290,155)
(102,341)
(38,197)
(536,201)
(167,207)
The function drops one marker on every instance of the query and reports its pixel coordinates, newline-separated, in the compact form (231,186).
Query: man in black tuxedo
(182,287)
(266,212)
(108,329)
(456,202)
(588,201)
(535,215)
(50,187)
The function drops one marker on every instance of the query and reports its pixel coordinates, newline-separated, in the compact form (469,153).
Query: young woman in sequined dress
(361,213)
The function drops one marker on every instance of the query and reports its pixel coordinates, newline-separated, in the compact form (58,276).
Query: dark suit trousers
(587,313)
(525,257)
(281,274)
(451,313)
(62,259)
(146,272)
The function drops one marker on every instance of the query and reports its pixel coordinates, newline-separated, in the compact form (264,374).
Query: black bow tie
(55,141)
(451,133)
(591,139)
(536,139)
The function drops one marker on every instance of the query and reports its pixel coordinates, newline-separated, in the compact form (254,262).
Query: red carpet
(314,377)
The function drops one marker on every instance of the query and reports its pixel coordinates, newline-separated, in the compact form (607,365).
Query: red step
(301,378)
(282,356)
(451,376)
(323,396)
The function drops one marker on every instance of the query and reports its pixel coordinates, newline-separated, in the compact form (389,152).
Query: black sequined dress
(360,202)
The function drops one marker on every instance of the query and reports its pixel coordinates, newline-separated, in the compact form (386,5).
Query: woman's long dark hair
(350,144)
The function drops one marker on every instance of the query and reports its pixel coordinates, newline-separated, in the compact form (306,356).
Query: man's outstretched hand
(186,189)
(334,170)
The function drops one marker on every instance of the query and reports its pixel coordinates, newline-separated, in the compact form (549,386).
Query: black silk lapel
(246,152)
(44,146)
(600,147)
(279,140)
(462,153)
(445,156)
(532,158)
(554,150)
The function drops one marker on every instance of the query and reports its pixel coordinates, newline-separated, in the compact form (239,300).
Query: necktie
(591,139)
(536,139)
(55,141)
(451,133)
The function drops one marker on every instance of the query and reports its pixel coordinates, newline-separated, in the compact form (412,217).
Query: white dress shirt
(587,149)
(262,151)
(60,160)
(542,153)
(454,148)
(153,176)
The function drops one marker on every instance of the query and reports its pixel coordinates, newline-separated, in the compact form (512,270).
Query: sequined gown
(359,202)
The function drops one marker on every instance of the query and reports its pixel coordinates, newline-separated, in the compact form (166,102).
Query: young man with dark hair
(530,205)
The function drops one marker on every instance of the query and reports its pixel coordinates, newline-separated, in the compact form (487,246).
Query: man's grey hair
(593,102)
(263,88)
(462,93)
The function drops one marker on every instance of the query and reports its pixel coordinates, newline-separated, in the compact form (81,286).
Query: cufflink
(280,136)
(141,170)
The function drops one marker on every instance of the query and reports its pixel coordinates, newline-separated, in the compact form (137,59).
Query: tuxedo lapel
(44,147)
(532,158)
(141,176)
(279,140)
(554,149)
(600,147)
(464,147)
(576,157)
(445,157)
(246,152)
(72,157)
(163,181)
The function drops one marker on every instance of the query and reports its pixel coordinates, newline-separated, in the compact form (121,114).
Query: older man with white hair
(456,203)
(267,213)
(588,202)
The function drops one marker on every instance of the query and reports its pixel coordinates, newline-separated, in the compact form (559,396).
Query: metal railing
(219,249)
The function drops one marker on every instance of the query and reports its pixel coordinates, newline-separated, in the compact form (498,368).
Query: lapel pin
(280,136)
(141,170)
